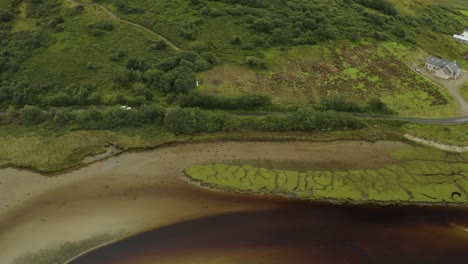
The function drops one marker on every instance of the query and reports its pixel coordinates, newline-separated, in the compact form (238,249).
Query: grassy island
(419,176)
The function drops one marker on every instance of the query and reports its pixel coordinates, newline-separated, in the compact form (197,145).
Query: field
(305,74)
(421,176)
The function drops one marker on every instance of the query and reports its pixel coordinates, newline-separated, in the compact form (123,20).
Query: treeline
(334,101)
(211,101)
(90,118)
(340,103)
(174,74)
(194,120)
(181,120)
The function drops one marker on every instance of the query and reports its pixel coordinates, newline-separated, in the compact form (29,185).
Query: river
(301,233)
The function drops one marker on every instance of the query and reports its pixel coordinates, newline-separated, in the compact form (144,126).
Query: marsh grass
(47,149)
(422,176)
(449,134)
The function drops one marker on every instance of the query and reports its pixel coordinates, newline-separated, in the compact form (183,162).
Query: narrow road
(124,21)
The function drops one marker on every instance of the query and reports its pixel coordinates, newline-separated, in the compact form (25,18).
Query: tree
(280,36)
(185,81)
(185,120)
(31,115)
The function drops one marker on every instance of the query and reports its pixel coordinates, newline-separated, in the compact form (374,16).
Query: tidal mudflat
(140,191)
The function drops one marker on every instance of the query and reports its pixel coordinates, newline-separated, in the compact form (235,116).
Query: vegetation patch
(440,178)
(47,149)
(464,91)
(449,134)
(306,74)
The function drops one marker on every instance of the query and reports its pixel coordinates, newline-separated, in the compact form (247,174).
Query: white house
(443,69)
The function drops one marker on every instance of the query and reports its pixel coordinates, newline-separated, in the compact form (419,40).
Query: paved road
(420,120)
(115,17)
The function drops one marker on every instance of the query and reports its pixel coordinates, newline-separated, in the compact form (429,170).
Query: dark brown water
(302,233)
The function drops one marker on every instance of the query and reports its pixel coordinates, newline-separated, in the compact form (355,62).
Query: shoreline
(438,145)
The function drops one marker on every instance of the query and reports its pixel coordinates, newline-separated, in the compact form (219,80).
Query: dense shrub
(209,101)
(32,115)
(383,6)
(340,103)
(194,120)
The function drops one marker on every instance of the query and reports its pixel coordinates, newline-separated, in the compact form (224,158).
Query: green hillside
(107,52)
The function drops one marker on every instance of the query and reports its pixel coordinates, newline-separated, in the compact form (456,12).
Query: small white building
(463,38)
(443,69)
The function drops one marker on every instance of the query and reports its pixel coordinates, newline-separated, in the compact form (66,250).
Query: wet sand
(134,192)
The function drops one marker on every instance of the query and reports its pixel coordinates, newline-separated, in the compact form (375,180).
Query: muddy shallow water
(301,233)
(141,191)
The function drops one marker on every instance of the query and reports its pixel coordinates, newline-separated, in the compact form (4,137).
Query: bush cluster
(194,120)
(210,101)
(90,118)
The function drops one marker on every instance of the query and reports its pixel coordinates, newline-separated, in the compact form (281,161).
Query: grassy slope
(422,176)
(304,74)
(294,76)
(66,61)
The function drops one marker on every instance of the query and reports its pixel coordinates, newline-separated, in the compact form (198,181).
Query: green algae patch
(442,179)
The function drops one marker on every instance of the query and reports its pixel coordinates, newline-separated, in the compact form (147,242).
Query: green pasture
(418,178)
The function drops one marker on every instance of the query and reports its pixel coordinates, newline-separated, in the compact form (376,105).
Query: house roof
(455,66)
(436,61)
(447,71)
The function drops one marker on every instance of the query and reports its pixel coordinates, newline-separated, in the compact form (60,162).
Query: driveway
(452,86)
